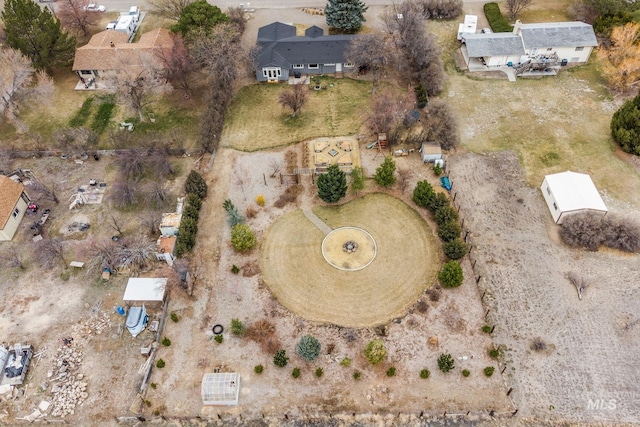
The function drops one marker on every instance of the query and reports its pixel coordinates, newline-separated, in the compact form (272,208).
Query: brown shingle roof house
(13,205)
(108,52)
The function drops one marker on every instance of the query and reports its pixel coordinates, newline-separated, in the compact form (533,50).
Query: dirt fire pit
(349,248)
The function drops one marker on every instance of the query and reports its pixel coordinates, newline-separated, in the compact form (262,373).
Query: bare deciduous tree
(294,97)
(517,6)
(40,191)
(621,61)
(156,193)
(74,17)
(372,52)
(441,124)
(274,166)
(131,164)
(142,87)
(171,9)
(13,257)
(178,66)
(440,9)
(48,252)
(124,193)
(150,221)
(404,178)
(20,83)
(103,254)
(136,252)
(387,111)
(114,223)
(161,164)
(237,18)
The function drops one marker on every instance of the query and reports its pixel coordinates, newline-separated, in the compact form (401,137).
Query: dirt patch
(522,270)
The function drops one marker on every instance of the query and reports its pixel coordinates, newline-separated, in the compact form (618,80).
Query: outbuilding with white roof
(569,192)
(145,290)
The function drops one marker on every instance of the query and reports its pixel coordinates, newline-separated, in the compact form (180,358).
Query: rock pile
(69,389)
(95,324)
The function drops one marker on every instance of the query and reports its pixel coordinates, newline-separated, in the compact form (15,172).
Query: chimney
(112,44)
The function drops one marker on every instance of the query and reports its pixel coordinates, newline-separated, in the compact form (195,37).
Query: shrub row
(196,189)
(591,230)
(497,22)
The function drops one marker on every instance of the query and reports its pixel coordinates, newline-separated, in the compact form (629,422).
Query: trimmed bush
(346,362)
(375,351)
(218,338)
(437,170)
(242,238)
(486,329)
(319,372)
(235,269)
(488,371)
(258,369)
(423,194)
(391,371)
(455,249)
(494,353)
(356,375)
(445,362)
(238,328)
(280,359)
(497,21)
(174,317)
(160,364)
(308,348)
(424,374)
(295,373)
(438,201)
(166,342)
(590,230)
(440,9)
(449,231)
(451,275)
(465,373)
(446,214)
(195,184)
(260,200)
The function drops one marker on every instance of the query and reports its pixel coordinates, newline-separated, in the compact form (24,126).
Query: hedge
(497,22)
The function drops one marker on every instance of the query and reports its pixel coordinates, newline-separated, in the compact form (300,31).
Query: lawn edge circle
(375,248)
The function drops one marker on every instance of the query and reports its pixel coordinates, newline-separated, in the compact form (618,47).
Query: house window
(555,206)
(579,49)
(548,190)
(16,212)
(349,65)
(313,66)
(86,72)
(298,66)
(271,73)
(330,64)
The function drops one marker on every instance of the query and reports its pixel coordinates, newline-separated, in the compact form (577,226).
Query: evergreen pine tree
(345,15)
(625,126)
(385,173)
(37,34)
(332,186)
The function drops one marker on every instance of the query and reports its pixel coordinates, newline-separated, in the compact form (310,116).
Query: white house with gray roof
(281,53)
(548,44)
(573,41)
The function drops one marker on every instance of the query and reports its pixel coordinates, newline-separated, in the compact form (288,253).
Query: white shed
(145,290)
(469,26)
(430,152)
(571,192)
(220,388)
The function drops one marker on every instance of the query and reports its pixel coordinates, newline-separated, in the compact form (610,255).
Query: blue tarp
(137,320)
(445,183)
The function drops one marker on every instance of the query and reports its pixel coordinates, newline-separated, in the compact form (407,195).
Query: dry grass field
(299,277)
(257,121)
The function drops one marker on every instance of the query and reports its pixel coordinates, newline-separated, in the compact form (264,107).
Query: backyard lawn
(257,121)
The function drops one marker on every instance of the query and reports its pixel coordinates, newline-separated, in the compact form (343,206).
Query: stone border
(375,249)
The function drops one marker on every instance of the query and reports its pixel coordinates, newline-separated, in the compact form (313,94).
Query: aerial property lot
(285,309)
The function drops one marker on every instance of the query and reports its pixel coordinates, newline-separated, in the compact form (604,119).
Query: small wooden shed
(430,152)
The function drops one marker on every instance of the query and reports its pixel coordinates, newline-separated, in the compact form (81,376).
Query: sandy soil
(523,266)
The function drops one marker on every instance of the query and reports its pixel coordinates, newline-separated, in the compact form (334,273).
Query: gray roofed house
(282,53)
(556,34)
(541,47)
(493,44)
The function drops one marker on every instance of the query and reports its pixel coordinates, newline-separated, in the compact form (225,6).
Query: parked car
(92,7)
